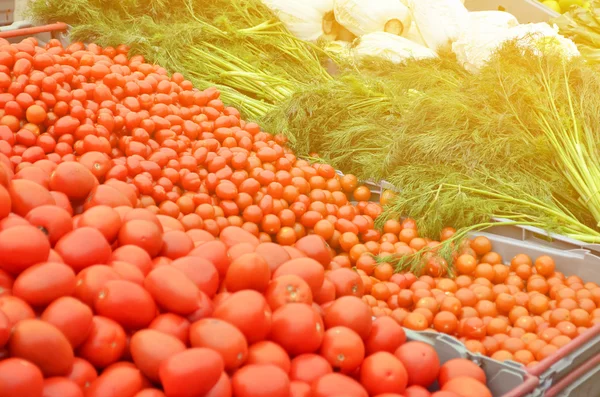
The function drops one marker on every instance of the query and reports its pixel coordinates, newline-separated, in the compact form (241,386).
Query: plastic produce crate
(526,11)
(505,379)
(556,370)
(17,31)
(578,383)
(7,12)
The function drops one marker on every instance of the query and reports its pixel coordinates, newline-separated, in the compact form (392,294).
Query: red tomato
(315,247)
(267,352)
(191,373)
(15,309)
(144,234)
(382,372)
(274,254)
(308,269)
(201,271)
(249,271)
(337,385)
(260,380)
(5,202)
(53,220)
(44,345)
(421,362)
(135,255)
(82,373)
(216,253)
(22,247)
(5,328)
(149,348)
(105,344)
(286,289)
(71,317)
(309,367)
(172,324)
(83,247)
(346,282)
(221,337)
(72,179)
(91,280)
(41,284)
(128,272)
(460,367)
(121,380)
(222,388)
(233,235)
(172,290)
(127,303)
(26,195)
(103,218)
(299,389)
(21,378)
(298,328)
(176,244)
(61,387)
(240,249)
(465,386)
(443,393)
(416,391)
(351,312)
(343,348)
(150,393)
(249,312)
(386,335)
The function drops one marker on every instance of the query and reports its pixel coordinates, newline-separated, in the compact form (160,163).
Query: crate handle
(54,27)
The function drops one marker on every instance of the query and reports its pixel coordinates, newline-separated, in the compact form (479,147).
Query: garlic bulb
(439,22)
(391,47)
(367,16)
(306,19)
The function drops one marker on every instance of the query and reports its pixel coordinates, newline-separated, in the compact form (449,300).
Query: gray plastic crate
(580,383)
(574,261)
(506,379)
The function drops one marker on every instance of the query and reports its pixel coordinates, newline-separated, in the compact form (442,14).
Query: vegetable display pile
(153,243)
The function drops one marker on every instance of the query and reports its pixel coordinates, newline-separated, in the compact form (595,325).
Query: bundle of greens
(236,45)
(516,141)
(582,25)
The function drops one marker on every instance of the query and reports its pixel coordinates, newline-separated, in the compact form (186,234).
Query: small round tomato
(105,344)
(260,380)
(192,372)
(41,284)
(298,328)
(127,303)
(249,312)
(421,362)
(44,345)
(21,378)
(221,337)
(149,348)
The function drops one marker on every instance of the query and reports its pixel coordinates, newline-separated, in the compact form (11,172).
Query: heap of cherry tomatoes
(153,243)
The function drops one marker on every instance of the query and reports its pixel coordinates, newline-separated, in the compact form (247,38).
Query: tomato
(216,253)
(82,373)
(83,247)
(221,337)
(260,381)
(274,254)
(103,218)
(233,235)
(105,343)
(421,362)
(21,378)
(127,303)
(337,385)
(26,195)
(465,386)
(309,367)
(386,335)
(460,367)
(351,312)
(240,249)
(15,309)
(286,289)
(41,284)
(222,388)
(149,348)
(172,290)
(150,393)
(416,391)
(308,269)
(382,372)
(135,255)
(22,247)
(143,233)
(315,247)
(5,328)
(44,345)
(250,271)
(299,389)
(249,312)
(5,202)
(91,280)
(72,179)
(53,220)
(267,352)
(343,348)
(297,328)
(117,381)
(61,387)
(346,282)
(191,373)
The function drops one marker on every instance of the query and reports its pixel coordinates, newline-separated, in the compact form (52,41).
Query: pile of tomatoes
(153,243)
